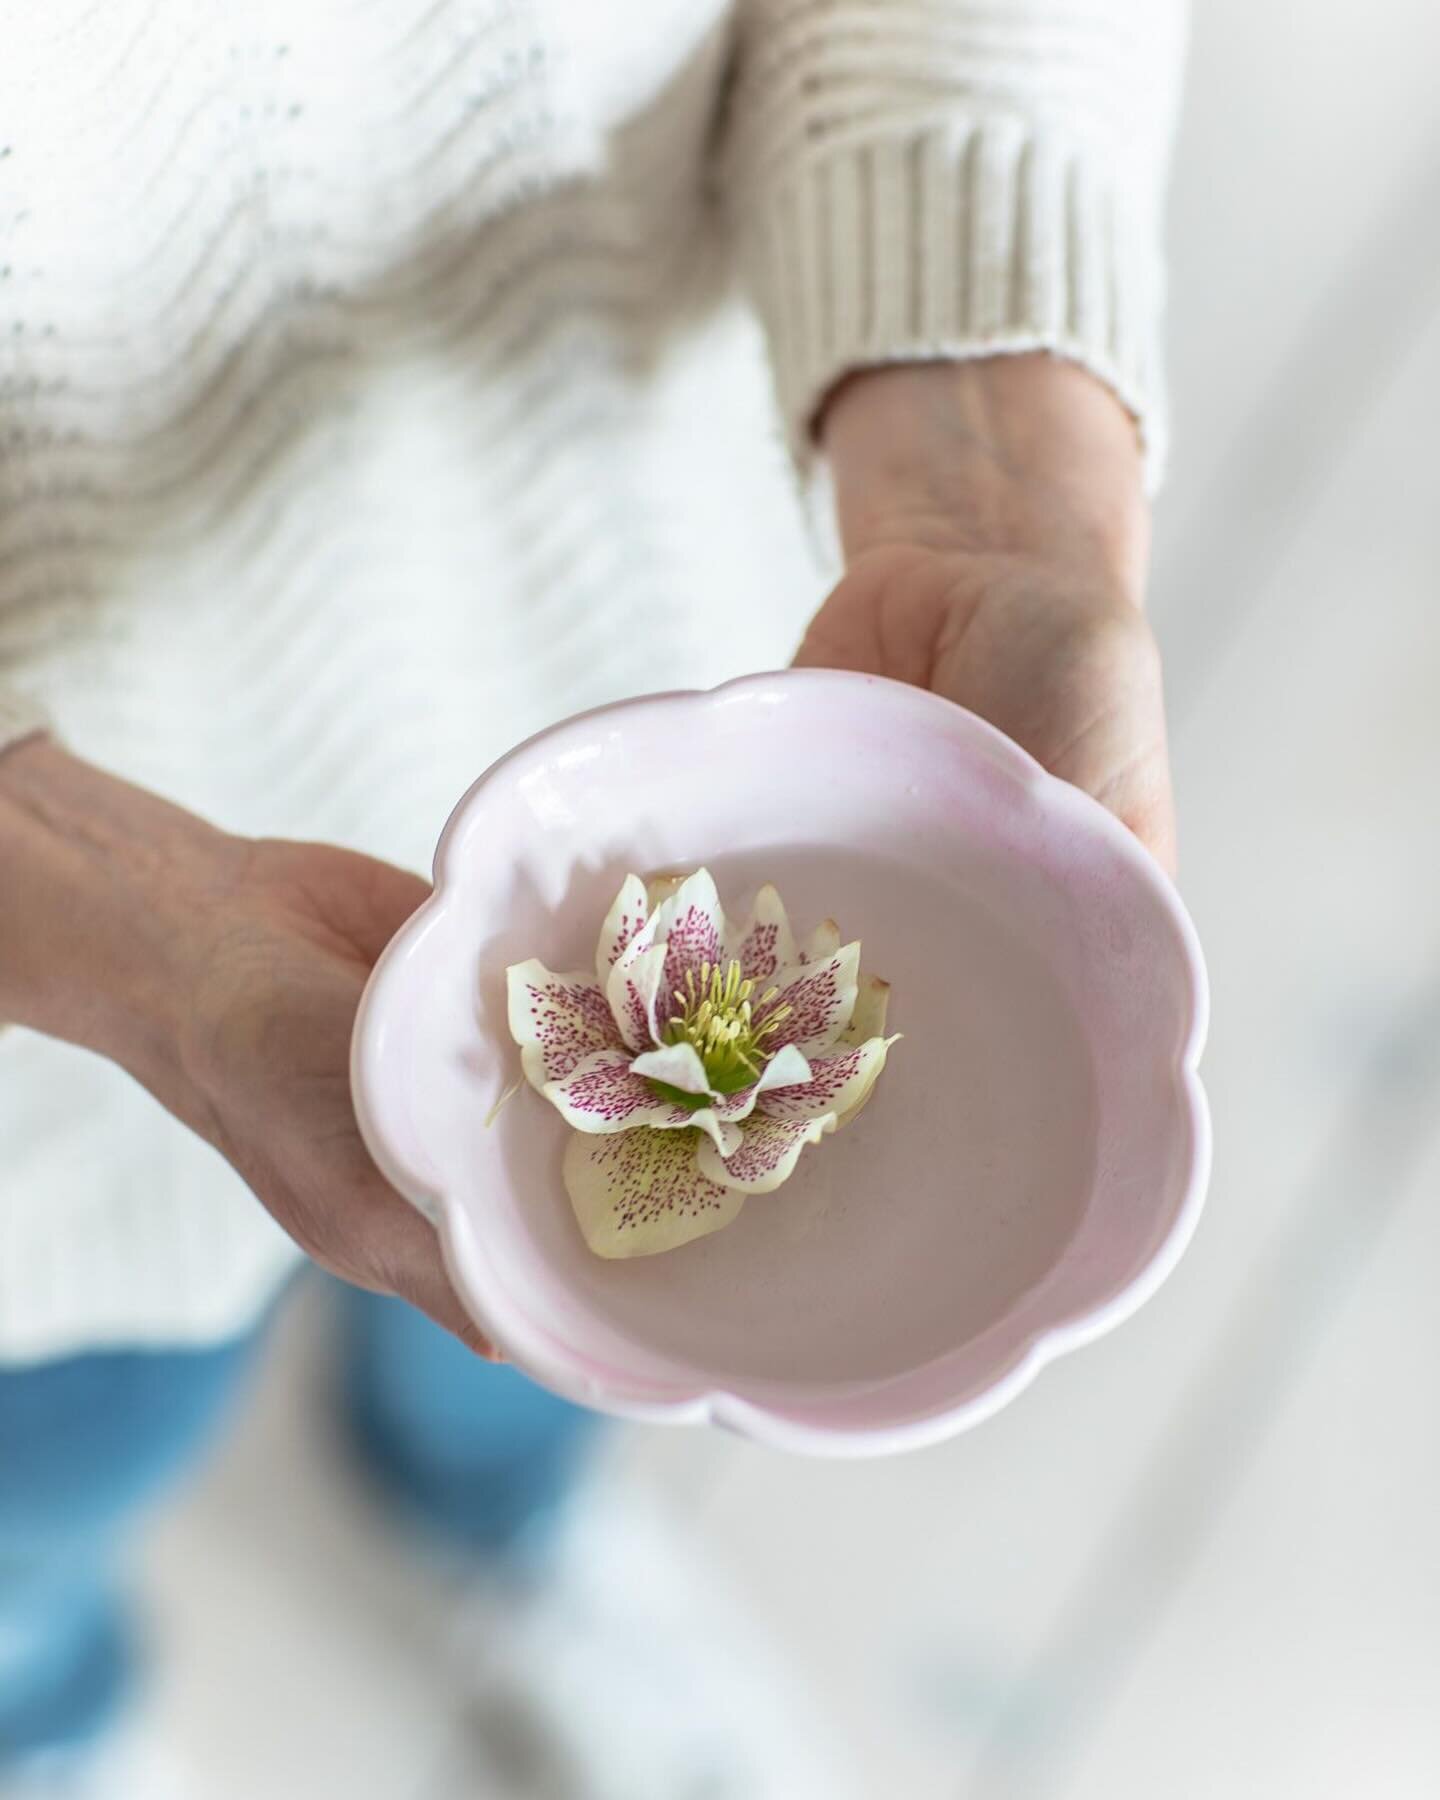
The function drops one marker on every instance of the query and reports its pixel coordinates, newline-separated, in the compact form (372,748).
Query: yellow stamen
(716,1014)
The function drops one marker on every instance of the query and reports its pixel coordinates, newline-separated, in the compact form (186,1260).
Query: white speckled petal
(556,1020)
(822,942)
(821,997)
(763,942)
(767,1155)
(625,918)
(642,1192)
(691,925)
(634,991)
(600,1094)
(839,1083)
(872,1002)
(678,1065)
(724,1134)
(660,887)
(786,1068)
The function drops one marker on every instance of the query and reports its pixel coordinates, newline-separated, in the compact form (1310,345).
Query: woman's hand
(264,1043)
(995,534)
(224,974)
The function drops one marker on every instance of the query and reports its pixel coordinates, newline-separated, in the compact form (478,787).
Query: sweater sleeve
(914,179)
(19,718)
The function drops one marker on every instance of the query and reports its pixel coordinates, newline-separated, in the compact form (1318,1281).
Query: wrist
(1016,455)
(107,889)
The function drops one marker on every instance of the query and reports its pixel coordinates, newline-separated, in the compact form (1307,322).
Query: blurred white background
(1199,1559)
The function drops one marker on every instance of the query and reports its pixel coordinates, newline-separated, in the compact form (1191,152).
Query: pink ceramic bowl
(1033,1159)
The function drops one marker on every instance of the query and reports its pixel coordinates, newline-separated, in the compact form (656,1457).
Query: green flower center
(717,1017)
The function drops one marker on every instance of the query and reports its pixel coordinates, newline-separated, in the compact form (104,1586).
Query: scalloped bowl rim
(526,1343)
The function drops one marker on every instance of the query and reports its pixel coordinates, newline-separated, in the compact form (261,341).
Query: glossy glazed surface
(1032,1161)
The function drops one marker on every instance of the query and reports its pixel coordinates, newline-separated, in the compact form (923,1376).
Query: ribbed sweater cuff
(19,718)
(958,242)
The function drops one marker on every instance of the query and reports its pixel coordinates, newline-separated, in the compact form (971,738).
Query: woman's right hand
(224,973)
(265,1047)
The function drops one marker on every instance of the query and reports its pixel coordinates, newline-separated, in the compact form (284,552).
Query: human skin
(994,527)
(996,540)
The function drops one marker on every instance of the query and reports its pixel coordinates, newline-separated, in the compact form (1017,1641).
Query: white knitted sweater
(379,381)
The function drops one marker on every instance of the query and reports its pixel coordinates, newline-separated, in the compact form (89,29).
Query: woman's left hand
(995,531)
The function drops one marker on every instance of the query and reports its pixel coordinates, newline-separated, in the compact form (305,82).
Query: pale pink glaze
(1033,1160)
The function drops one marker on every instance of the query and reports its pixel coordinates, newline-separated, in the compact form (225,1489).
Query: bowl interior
(1027,1148)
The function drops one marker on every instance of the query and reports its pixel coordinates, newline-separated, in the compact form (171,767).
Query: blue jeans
(472,1452)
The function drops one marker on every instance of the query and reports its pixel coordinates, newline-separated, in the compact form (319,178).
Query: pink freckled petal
(634,990)
(822,942)
(784,1069)
(840,1084)
(821,998)
(787,1068)
(556,1020)
(767,1154)
(724,1134)
(691,925)
(762,943)
(602,1095)
(872,1002)
(641,1192)
(622,922)
(659,888)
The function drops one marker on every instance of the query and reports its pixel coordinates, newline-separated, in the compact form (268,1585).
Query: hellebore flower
(698,1060)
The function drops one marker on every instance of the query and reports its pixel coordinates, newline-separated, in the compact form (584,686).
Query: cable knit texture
(373,392)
